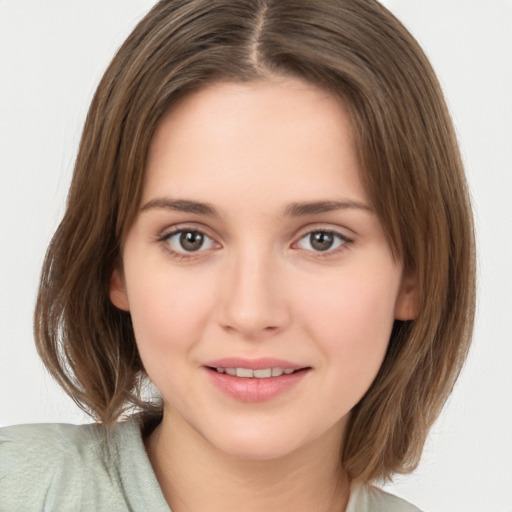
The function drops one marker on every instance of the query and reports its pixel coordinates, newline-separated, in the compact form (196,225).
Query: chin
(257,450)
(259,443)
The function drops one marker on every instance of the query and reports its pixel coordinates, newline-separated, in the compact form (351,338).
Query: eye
(321,241)
(188,240)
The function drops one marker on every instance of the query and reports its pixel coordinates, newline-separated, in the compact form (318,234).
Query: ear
(117,289)
(406,307)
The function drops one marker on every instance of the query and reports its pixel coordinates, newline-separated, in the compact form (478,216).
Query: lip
(255,364)
(254,390)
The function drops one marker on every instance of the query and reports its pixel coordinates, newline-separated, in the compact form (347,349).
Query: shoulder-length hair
(411,168)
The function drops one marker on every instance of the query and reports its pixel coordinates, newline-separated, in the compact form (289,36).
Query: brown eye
(187,241)
(191,240)
(321,241)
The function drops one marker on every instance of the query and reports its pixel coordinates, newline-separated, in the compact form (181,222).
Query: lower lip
(254,389)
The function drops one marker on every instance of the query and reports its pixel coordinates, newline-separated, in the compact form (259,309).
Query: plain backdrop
(52,54)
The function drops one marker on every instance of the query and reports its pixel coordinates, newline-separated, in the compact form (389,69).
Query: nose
(253,300)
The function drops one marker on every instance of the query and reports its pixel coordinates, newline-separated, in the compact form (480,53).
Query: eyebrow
(315,207)
(298,209)
(181,205)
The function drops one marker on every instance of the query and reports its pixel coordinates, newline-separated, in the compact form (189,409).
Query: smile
(248,373)
(255,385)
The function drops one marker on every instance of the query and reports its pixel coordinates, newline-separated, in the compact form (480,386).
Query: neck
(196,476)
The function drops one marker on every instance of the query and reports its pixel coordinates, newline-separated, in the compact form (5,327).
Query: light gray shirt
(88,468)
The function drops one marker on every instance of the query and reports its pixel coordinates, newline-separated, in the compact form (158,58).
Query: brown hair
(412,171)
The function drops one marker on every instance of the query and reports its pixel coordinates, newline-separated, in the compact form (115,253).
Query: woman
(250,225)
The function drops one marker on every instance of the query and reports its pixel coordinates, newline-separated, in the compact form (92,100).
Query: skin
(258,287)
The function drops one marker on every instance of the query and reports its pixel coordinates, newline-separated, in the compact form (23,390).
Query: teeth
(244,372)
(263,374)
(248,373)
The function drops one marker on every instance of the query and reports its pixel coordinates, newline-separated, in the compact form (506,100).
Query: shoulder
(38,448)
(56,466)
(367,498)
(48,437)
(44,445)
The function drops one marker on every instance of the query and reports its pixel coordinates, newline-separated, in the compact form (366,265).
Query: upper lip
(254,364)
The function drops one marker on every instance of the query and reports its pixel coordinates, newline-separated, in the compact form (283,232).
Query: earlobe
(117,290)
(406,307)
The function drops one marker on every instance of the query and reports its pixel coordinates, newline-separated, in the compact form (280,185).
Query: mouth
(260,373)
(255,381)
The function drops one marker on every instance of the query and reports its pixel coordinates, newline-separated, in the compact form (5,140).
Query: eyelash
(344,242)
(343,245)
(165,238)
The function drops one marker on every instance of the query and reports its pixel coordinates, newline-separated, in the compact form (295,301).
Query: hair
(411,170)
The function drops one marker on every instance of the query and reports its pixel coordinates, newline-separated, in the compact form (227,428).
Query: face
(260,284)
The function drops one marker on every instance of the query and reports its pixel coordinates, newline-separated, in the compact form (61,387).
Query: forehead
(269,139)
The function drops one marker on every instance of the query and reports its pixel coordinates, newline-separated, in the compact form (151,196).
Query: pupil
(321,241)
(191,240)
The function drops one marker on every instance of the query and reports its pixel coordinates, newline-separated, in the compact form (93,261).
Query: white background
(52,54)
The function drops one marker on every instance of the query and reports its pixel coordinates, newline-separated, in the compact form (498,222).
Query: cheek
(353,302)
(351,319)
(168,316)
(168,311)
